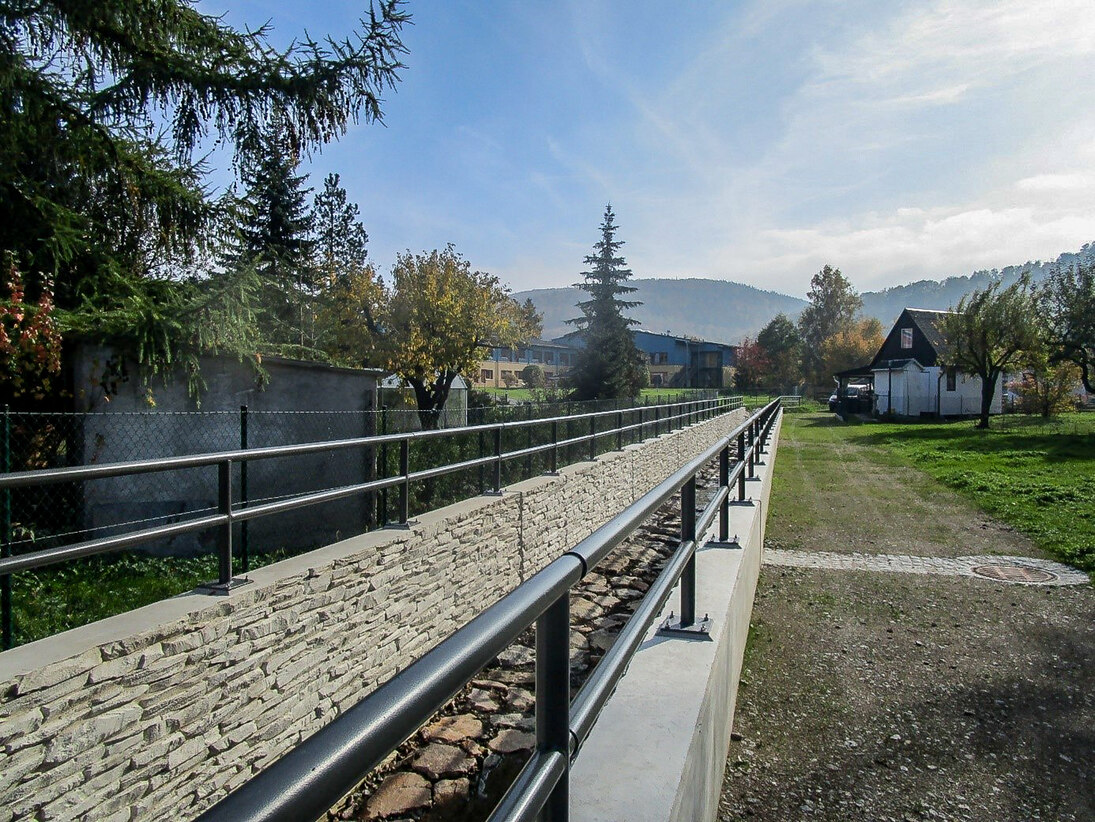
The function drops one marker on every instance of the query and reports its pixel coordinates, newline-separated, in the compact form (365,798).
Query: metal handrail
(313,776)
(230,511)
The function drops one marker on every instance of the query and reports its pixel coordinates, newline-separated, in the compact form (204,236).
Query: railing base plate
(700,629)
(224,588)
(720,543)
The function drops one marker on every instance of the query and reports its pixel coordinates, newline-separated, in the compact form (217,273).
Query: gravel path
(870,694)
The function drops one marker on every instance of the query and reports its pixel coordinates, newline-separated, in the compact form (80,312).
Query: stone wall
(157,713)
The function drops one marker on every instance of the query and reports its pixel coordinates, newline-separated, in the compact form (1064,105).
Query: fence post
(405,486)
(724,482)
(592,438)
(245,560)
(555,446)
(657,421)
(553,698)
(5,548)
(498,460)
(224,536)
(688,533)
(619,430)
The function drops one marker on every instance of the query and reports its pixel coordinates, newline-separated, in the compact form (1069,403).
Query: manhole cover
(1014,573)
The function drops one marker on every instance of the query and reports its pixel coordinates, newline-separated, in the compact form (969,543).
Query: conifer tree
(608,366)
(275,238)
(340,238)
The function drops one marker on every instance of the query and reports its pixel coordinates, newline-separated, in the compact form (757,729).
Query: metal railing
(312,777)
(232,507)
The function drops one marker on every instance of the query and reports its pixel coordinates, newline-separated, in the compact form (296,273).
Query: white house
(908,375)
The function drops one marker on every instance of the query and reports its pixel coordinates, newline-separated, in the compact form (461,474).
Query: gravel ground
(876,696)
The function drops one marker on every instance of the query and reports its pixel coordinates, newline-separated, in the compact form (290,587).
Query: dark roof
(896,364)
(930,324)
(858,371)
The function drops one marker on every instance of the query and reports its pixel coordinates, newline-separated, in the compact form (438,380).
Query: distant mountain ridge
(716,310)
(724,311)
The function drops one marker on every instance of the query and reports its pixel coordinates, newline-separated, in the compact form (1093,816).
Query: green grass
(1038,476)
(68,595)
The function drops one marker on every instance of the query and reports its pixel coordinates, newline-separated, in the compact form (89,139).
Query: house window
(486,374)
(952,378)
(906,338)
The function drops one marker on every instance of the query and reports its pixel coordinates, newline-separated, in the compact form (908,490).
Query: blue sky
(746,141)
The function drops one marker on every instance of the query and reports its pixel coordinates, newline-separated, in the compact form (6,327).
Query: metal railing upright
(311,778)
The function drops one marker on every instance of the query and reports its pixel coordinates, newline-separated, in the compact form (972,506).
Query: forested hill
(725,311)
(888,303)
(712,309)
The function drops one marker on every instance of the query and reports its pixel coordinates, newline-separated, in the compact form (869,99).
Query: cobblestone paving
(903,564)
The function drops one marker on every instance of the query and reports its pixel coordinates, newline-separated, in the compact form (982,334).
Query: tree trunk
(988,392)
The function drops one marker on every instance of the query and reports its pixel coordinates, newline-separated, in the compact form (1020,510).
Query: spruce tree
(340,238)
(608,366)
(275,238)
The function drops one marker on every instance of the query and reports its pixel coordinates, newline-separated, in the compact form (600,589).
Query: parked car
(856,399)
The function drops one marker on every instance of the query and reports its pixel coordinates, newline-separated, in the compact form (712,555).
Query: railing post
(383,518)
(482,467)
(752,440)
(619,430)
(688,533)
(553,698)
(724,482)
(224,536)
(405,486)
(528,442)
(498,460)
(657,421)
(5,523)
(592,438)
(245,560)
(741,474)
(555,446)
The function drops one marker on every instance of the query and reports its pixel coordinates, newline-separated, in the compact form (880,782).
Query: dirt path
(884,696)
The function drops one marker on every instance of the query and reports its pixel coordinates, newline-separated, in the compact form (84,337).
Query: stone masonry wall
(157,713)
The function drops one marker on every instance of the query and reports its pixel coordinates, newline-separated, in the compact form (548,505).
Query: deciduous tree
(1068,300)
(852,345)
(432,322)
(989,332)
(833,306)
(608,366)
(752,364)
(782,346)
(533,376)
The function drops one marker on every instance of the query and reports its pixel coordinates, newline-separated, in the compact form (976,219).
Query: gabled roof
(929,345)
(930,323)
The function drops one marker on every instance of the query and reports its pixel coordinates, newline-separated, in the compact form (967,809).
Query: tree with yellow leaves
(432,322)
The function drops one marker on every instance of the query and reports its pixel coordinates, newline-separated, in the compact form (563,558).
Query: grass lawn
(1036,476)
